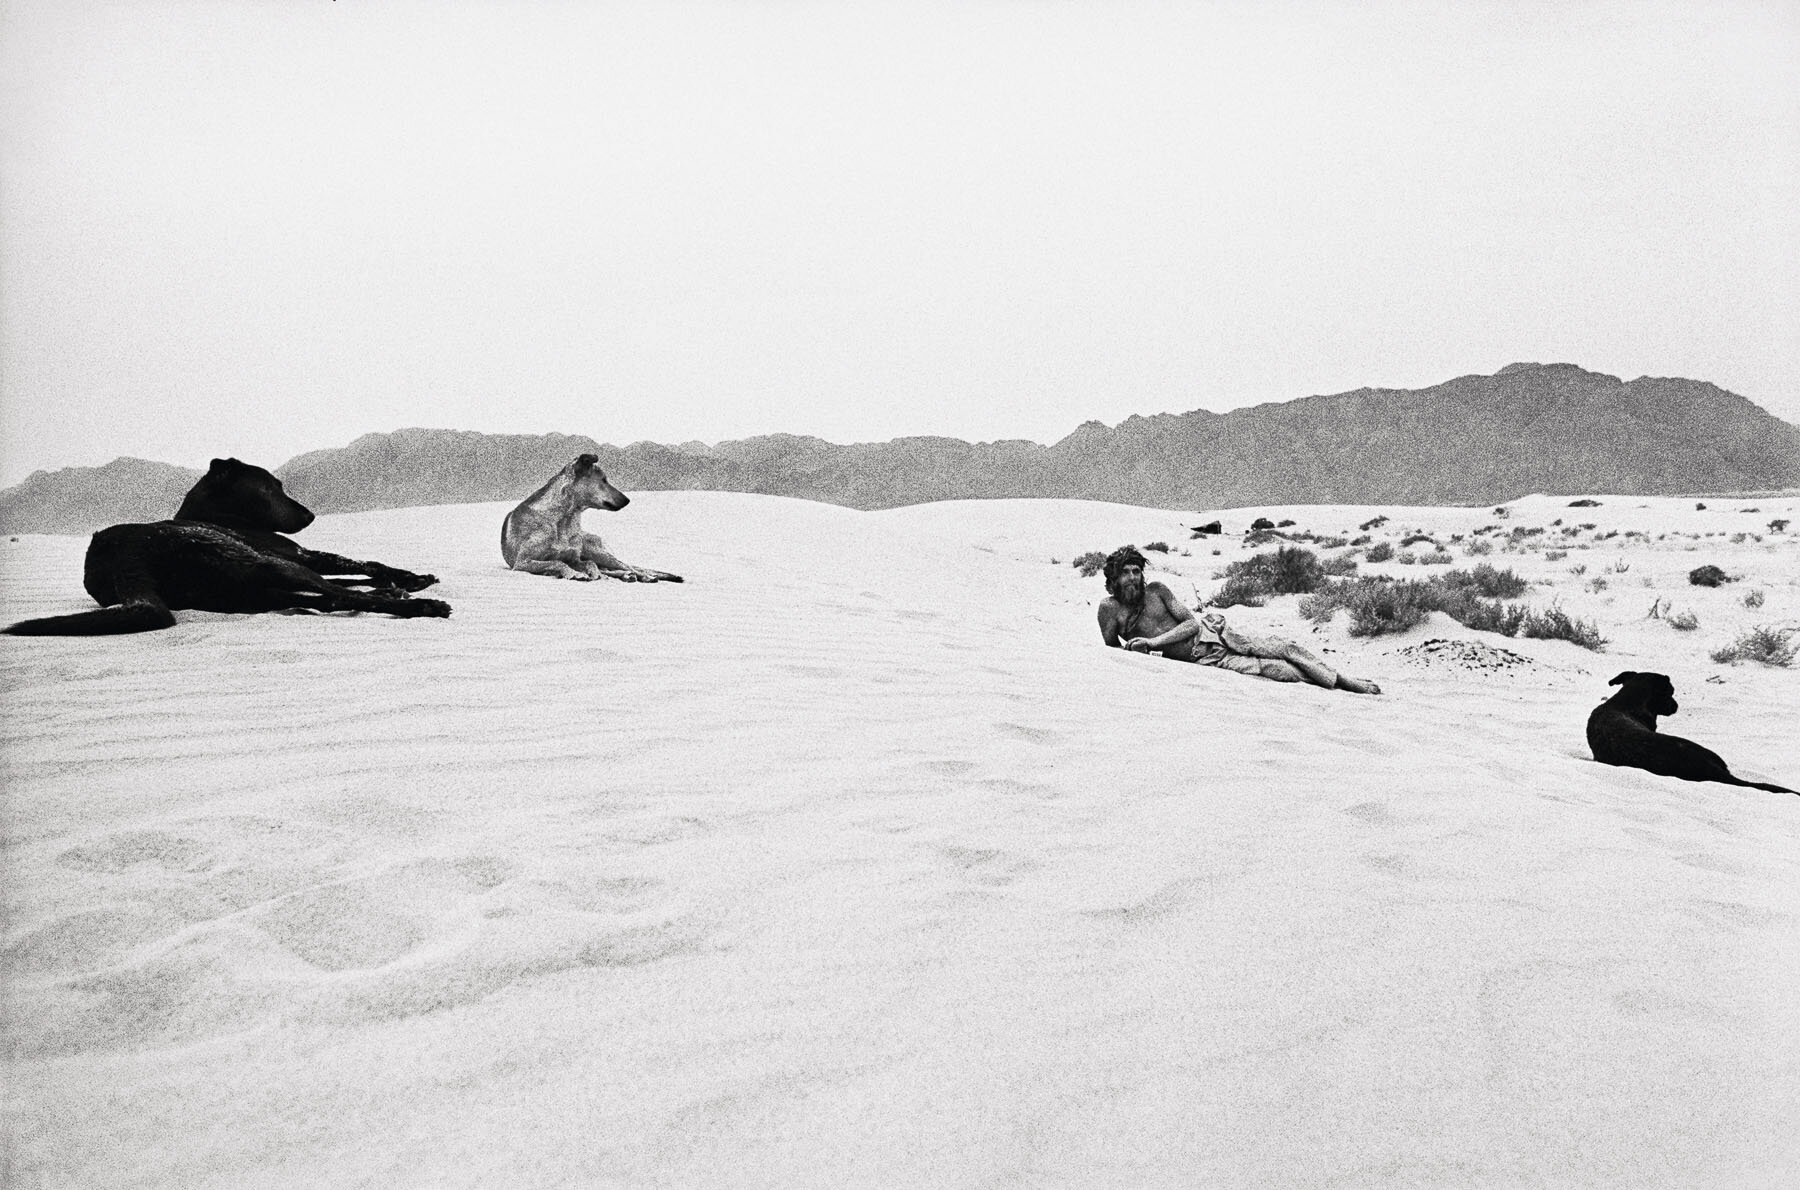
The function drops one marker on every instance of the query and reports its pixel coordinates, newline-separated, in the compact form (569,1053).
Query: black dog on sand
(223,552)
(1622,731)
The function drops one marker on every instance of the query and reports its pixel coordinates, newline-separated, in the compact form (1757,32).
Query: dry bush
(1290,570)
(1553,623)
(1486,581)
(1089,563)
(1381,551)
(1764,643)
(1379,606)
(1753,599)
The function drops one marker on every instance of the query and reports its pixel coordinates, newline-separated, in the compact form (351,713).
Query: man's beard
(1131,594)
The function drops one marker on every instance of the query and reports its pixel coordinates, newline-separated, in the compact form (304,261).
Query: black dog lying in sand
(223,552)
(1622,731)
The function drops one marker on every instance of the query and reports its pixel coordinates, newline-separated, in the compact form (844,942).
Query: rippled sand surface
(856,861)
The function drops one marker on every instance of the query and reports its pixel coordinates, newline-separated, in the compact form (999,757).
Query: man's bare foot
(1357,685)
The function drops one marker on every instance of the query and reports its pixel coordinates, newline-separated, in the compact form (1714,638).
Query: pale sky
(264,227)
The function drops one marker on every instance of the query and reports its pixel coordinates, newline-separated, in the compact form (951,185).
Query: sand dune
(856,861)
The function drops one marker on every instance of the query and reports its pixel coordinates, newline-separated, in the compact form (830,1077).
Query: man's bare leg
(1314,670)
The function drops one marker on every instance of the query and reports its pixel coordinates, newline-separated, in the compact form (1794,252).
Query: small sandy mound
(1469,656)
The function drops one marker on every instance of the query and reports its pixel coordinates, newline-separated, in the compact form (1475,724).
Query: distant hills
(1552,428)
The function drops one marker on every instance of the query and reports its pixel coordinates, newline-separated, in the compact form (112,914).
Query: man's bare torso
(1159,612)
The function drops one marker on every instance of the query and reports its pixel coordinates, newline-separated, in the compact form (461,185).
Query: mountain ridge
(1551,428)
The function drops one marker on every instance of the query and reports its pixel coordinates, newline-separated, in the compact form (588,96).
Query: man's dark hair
(1119,559)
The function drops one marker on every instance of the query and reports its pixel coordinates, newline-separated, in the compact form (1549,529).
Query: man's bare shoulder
(1160,591)
(1109,607)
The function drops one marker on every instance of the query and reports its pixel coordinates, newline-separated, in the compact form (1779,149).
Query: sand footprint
(85,941)
(985,865)
(127,849)
(1019,731)
(377,920)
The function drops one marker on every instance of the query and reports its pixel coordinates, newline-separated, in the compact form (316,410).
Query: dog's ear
(585,463)
(1623,678)
(217,465)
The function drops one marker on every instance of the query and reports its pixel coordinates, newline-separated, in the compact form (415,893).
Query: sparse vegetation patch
(1764,643)
(1290,570)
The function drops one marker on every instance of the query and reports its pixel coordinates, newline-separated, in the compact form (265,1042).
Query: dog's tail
(140,615)
(1770,788)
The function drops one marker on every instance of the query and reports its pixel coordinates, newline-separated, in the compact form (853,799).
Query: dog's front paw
(436,608)
(407,581)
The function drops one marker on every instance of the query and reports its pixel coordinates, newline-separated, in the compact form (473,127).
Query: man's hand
(1139,644)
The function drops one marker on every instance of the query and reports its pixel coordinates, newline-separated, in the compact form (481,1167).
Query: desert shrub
(1621,566)
(1406,558)
(1160,547)
(1256,537)
(1376,606)
(1380,606)
(1763,643)
(1553,623)
(1089,563)
(1415,539)
(1339,564)
(1283,524)
(1365,539)
(1739,538)
(1478,548)
(1753,599)
(1596,584)
(1490,615)
(1381,551)
(1555,555)
(1699,508)
(1262,522)
(1778,526)
(1373,523)
(1584,504)
(1239,591)
(1484,580)
(1684,621)
(1290,570)
(1749,510)
(1579,569)
(1434,558)
(1503,511)
(1707,576)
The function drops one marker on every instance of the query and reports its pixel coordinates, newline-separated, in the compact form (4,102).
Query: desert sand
(857,861)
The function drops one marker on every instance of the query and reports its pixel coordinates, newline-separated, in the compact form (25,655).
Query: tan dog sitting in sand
(543,535)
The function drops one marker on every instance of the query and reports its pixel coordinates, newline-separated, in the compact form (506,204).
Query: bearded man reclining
(1147,618)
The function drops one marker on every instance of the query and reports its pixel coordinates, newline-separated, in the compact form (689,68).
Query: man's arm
(1186,627)
(1109,623)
